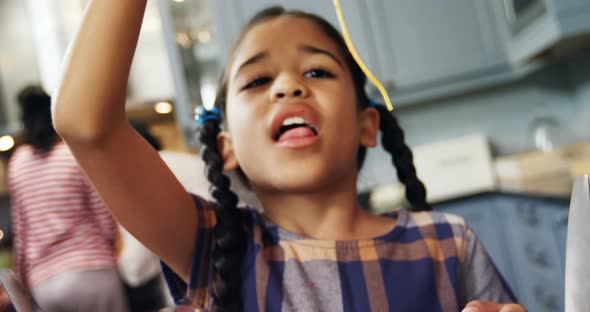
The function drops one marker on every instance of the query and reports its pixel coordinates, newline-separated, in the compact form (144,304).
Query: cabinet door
(231,15)
(534,250)
(559,227)
(426,42)
(542,25)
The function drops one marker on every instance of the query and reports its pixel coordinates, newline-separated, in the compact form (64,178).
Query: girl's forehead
(285,24)
(281,32)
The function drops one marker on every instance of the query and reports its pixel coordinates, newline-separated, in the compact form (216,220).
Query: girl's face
(287,70)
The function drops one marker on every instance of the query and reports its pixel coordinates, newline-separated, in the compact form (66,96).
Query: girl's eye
(257,83)
(318,73)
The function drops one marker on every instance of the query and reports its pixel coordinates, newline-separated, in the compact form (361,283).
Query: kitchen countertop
(543,173)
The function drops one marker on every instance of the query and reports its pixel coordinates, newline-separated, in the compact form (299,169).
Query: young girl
(296,122)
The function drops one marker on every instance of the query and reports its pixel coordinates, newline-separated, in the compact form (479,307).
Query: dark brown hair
(38,131)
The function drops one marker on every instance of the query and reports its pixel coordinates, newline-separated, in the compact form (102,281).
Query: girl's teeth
(293,120)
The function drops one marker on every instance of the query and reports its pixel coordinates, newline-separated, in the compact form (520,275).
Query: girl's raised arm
(89,113)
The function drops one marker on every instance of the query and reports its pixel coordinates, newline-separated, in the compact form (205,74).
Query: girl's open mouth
(295,128)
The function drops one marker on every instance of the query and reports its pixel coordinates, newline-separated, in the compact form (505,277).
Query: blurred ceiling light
(179,1)
(183,39)
(204,36)
(6,143)
(1,235)
(208,92)
(163,108)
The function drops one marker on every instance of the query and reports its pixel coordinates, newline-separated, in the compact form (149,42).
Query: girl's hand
(486,306)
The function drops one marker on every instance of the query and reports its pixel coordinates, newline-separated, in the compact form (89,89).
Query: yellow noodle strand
(357,58)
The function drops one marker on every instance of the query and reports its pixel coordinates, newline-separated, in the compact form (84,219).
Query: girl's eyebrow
(252,60)
(315,50)
(305,48)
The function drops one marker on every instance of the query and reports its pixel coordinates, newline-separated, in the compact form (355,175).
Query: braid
(228,242)
(393,142)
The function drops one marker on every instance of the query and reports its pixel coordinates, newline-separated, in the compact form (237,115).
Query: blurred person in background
(64,236)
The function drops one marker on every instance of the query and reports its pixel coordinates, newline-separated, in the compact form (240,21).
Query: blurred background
(494,98)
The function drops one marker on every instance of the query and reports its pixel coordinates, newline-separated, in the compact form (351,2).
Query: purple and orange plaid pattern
(420,265)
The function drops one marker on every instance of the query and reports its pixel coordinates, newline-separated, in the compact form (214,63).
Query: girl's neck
(330,215)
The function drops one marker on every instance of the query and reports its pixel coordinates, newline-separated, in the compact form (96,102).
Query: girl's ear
(226,151)
(369,126)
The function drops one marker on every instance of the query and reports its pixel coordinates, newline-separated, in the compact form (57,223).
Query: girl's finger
(486,306)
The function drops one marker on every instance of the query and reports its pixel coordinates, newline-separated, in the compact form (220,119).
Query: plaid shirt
(429,261)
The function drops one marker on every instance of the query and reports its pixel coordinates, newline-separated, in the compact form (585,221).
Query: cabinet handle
(537,255)
(547,300)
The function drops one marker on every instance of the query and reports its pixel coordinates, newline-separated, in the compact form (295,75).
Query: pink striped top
(59,222)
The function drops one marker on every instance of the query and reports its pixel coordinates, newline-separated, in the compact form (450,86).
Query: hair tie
(202,114)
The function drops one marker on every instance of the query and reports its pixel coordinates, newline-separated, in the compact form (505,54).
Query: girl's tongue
(297,133)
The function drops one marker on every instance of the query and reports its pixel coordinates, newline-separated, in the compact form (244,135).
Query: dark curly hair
(38,131)
(229,245)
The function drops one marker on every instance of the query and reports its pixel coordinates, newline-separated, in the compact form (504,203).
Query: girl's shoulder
(207,217)
(449,232)
(429,225)
(435,218)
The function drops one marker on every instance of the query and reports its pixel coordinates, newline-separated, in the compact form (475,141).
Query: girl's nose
(296,92)
(289,87)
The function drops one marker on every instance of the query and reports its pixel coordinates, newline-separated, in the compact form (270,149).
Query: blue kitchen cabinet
(531,27)
(559,229)
(535,252)
(424,43)
(525,236)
